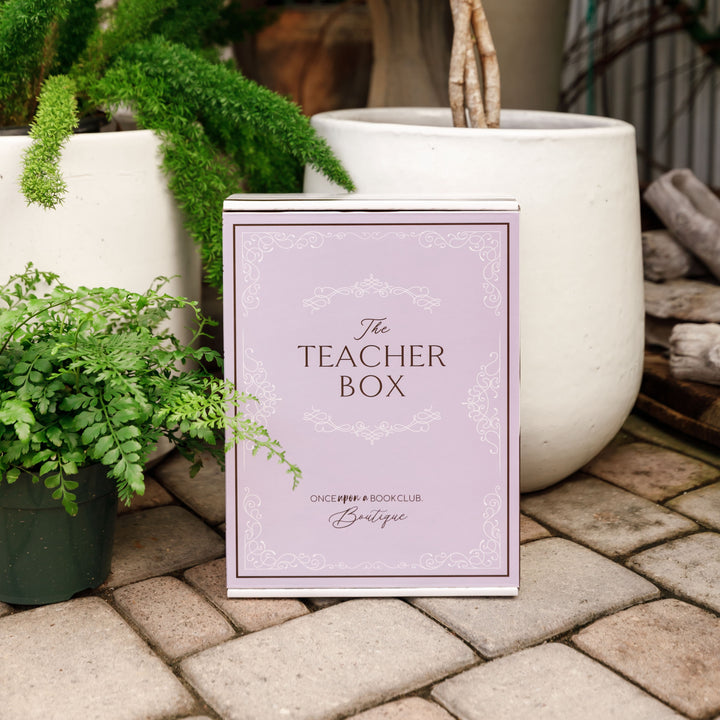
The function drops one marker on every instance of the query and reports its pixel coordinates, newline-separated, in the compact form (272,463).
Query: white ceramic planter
(581,291)
(118,226)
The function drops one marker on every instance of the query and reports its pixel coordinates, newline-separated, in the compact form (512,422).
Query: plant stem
(463,81)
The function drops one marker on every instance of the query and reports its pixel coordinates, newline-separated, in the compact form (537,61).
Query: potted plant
(212,131)
(88,384)
(581,291)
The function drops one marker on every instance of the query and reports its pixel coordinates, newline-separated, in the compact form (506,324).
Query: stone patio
(617,616)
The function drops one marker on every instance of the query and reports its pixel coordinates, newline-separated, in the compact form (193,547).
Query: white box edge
(371,592)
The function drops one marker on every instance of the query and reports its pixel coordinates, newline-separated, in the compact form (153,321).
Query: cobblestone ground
(617,616)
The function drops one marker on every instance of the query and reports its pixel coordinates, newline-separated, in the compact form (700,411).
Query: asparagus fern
(221,133)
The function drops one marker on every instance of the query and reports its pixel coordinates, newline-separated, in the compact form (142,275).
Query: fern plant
(221,133)
(89,376)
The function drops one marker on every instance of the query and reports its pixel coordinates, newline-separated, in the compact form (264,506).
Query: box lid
(299,202)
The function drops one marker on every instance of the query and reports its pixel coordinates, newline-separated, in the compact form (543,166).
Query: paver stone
(155,495)
(607,518)
(531,530)
(80,659)
(689,567)
(562,586)
(702,505)
(549,682)
(173,616)
(412,708)
(204,493)
(160,541)
(327,665)
(249,614)
(654,472)
(668,647)
(643,429)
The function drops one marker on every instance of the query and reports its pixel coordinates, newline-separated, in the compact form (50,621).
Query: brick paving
(667,647)
(617,616)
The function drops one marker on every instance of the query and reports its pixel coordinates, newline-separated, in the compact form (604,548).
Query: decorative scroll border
(486,556)
(255,244)
(482,400)
(257,384)
(487,244)
(323,423)
(371,285)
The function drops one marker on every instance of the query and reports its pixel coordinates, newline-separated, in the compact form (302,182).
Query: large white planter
(581,291)
(118,226)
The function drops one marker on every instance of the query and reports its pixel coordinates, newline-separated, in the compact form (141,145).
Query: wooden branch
(683,300)
(461,11)
(691,211)
(695,352)
(473,96)
(665,259)
(489,64)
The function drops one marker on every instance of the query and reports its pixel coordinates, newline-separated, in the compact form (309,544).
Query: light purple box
(380,338)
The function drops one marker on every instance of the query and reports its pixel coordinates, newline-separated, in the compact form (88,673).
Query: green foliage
(221,132)
(56,116)
(28,36)
(89,376)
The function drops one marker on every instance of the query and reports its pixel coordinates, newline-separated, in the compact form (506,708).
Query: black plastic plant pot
(46,555)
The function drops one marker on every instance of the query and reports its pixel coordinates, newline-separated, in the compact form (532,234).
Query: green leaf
(69,504)
(48,467)
(135,478)
(92,432)
(53,481)
(22,430)
(85,418)
(13,411)
(103,445)
(127,432)
(55,435)
(73,402)
(12,475)
(130,446)
(125,415)
(43,365)
(40,457)
(110,457)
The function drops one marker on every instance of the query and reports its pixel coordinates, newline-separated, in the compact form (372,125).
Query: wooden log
(664,258)
(683,300)
(695,352)
(691,211)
